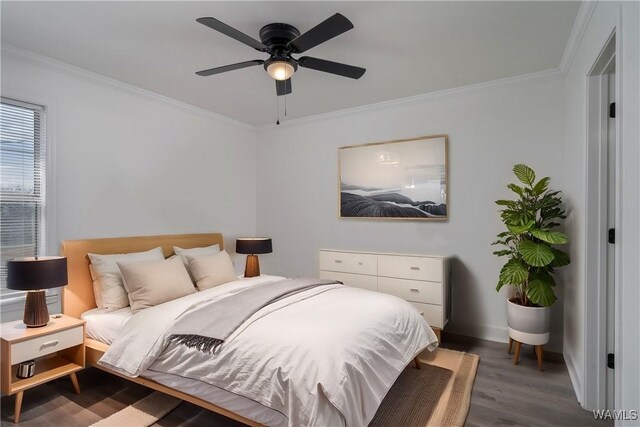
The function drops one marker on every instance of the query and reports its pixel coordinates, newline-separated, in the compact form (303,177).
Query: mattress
(104,325)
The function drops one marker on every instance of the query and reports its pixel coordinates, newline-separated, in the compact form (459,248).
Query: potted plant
(532,258)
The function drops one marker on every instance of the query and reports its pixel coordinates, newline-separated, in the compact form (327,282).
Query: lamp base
(36,313)
(252,267)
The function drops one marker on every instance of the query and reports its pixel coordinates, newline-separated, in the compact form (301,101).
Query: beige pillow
(194,252)
(154,282)
(107,279)
(212,270)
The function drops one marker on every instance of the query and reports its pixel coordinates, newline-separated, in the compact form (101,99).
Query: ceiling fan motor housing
(276,36)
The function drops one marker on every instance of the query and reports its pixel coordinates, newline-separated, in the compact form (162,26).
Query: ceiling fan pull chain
(277,111)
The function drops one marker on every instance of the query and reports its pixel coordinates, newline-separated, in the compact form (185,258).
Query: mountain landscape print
(404,179)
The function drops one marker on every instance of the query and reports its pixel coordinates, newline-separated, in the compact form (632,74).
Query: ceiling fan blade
(331,67)
(326,30)
(283,87)
(232,32)
(230,67)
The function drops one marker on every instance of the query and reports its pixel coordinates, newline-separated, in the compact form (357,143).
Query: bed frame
(77,296)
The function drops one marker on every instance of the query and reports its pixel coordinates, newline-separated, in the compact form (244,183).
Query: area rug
(438,395)
(143,413)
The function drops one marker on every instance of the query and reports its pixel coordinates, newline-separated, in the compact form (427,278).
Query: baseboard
(489,333)
(574,376)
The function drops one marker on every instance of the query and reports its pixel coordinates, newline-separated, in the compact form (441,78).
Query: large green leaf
(544,276)
(516,189)
(505,202)
(525,174)
(560,258)
(553,237)
(540,293)
(514,272)
(541,186)
(535,254)
(519,229)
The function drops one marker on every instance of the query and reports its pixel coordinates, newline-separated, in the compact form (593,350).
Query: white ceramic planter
(528,325)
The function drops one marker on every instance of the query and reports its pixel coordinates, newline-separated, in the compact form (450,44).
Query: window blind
(22,182)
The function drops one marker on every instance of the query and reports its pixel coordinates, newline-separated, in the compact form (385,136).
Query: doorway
(601,216)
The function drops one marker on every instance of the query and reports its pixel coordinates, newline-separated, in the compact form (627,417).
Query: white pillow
(212,270)
(107,279)
(184,253)
(153,282)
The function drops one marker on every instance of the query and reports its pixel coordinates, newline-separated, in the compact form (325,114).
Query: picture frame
(403,179)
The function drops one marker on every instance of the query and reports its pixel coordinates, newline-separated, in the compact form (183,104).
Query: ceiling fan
(280,41)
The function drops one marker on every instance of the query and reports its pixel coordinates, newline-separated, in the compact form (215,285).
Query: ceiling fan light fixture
(281,70)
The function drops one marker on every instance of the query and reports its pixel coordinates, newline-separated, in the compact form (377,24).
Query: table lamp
(252,246)
(35,275)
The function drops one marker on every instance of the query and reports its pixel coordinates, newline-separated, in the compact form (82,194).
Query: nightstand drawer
(412,290)
(349,262)
(46,344)
(432,314)
(414,268)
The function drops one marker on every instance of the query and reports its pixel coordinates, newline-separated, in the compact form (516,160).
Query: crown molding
(416,99)
(90,76)
(577,32)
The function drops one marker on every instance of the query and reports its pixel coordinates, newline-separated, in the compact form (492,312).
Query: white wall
(130,163)
(624,19)
(490,129)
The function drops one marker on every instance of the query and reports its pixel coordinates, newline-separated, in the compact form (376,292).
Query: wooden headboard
(77,296)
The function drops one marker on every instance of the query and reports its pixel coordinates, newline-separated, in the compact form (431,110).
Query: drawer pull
(422,313)
(49,344)
(415,268)
(338,261)
(414,290)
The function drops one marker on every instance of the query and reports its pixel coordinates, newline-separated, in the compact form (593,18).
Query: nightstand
(58,350)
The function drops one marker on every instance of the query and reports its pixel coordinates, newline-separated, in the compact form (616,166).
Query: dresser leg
(74,382)
(516,357)
(417,362)
(18,408)
(438,333)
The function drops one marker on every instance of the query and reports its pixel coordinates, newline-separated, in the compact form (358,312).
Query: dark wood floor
(503,395)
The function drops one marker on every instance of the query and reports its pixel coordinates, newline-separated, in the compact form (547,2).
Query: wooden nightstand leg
(74,382)
(510,345)
(18,408)
(438,333)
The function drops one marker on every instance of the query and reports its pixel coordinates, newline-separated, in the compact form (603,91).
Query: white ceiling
(408,48)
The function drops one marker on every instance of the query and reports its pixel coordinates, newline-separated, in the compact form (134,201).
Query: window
(23,162)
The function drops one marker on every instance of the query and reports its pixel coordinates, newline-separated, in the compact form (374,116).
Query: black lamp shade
(253,245)
(29,274)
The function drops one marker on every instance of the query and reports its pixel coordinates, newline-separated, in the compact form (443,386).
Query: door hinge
(610,361)
(612,110)
(612,235)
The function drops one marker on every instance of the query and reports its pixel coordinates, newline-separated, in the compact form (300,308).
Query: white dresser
(422,280)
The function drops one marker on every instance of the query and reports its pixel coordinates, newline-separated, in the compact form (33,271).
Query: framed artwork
(402,179)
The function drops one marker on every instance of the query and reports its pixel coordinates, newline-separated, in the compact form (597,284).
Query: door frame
(595,313)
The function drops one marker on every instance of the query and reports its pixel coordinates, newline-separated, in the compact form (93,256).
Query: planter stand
(516,358)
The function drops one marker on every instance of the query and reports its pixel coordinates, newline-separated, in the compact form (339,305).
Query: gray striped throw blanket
(207,327)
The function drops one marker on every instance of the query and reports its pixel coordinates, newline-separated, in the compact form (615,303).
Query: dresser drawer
(348,262)
(432,314)
(46,344)
(414,268)
(354,280)
(412,290)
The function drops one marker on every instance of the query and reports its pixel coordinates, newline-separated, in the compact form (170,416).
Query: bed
(106,327)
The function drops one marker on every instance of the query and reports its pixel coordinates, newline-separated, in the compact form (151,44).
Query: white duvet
(322,357)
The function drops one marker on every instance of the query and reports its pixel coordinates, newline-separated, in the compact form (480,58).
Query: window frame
(14,300)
